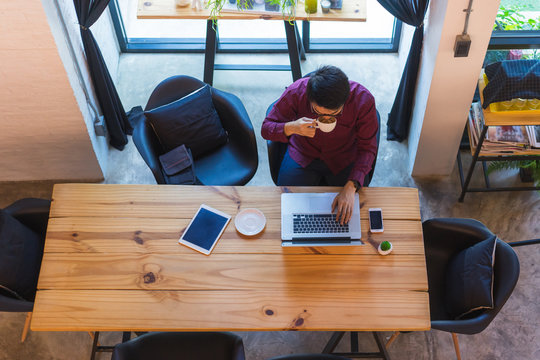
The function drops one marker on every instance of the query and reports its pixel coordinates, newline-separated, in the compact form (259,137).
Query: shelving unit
(510,118)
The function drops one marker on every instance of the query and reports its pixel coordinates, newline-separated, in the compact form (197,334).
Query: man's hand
(303,127)
(343,203)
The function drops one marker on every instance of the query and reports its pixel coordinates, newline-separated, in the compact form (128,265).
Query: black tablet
(205,229)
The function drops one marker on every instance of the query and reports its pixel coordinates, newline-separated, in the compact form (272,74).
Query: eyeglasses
(326,118)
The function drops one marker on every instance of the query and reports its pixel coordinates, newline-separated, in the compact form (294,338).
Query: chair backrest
(277,150)
(181,345)
(34,214)
(310,357)
(443,238)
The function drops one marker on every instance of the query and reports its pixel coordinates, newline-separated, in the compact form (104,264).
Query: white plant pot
(382,252)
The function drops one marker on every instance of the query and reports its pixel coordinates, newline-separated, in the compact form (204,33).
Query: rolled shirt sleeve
(283,111)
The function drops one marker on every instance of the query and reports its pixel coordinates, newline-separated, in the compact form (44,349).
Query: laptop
(307,220)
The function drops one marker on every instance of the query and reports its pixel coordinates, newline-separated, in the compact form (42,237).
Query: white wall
(104,35)
(43,134)
(446,84)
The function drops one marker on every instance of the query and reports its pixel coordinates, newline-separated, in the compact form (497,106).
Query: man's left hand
(343,203)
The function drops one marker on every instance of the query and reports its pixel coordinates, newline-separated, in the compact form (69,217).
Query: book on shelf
(501,139)
(533,132)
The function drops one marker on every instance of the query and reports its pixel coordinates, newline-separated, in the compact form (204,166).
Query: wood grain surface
(142,310)
(353,10)
(181,202)
(153,235)
(112,262)
(229,271)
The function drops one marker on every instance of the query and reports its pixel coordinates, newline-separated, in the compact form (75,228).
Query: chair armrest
(276,152)
(8,304)
(454,234)
(32,212)
(468,326)
(234,117)
(149,147)
(236,122)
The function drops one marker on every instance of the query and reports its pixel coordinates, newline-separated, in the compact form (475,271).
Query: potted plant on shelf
(288,7)
(529,170)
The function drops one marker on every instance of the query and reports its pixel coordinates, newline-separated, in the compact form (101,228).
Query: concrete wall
(43,134)
(104,35)
(446,84)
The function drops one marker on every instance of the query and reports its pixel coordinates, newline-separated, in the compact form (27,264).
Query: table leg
(305,35)
(485,170)
(354,341)
(381,345)
(210,51)
(333,342)
(292,45)
(471,168)
(301,49)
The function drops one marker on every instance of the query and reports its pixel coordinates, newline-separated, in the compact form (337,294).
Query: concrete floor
(514,334)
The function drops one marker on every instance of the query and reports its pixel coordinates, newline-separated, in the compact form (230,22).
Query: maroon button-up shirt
(353,140)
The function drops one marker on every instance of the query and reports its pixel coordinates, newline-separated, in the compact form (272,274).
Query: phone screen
(375,219)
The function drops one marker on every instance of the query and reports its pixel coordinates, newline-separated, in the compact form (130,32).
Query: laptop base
(321,242)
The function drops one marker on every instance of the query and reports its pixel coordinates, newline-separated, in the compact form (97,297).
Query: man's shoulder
(299,85)
(360,93)
(357,88)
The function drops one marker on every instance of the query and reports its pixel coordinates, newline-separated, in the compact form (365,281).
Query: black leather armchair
(34,214)
(277,150)
(185,346)
(234,163)
(445,237)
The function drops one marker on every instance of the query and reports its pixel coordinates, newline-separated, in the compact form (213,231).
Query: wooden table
(112,263)
(352,10)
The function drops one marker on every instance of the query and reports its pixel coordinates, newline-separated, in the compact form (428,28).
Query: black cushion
(20,258)
(191,120)
(469,279)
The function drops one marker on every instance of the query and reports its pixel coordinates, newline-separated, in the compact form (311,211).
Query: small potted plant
(385,248)
(288,7)
(529,170)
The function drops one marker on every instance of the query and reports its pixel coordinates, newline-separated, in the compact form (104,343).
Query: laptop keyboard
(317,224)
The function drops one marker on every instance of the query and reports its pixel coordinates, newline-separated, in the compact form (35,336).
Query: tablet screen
(205,229)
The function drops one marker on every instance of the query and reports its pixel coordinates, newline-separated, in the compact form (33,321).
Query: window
(517,26)
(380,33)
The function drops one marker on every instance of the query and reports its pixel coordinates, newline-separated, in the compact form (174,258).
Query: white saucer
(249,222)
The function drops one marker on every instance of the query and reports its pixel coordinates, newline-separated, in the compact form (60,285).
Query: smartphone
(375,220)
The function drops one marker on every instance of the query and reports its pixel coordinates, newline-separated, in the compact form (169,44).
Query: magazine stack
(501,139)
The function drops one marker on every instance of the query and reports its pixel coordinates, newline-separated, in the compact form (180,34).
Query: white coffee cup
(326,127)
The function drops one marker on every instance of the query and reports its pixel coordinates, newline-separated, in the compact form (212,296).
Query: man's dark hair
(328,87)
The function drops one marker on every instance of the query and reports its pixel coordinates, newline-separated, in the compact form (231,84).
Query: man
(344,156)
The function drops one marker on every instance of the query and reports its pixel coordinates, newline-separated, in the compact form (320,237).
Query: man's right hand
(303,127)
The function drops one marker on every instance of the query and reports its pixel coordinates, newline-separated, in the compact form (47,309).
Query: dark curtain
(411,12)
(118,126)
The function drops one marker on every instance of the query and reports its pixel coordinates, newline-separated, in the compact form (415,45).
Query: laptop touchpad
(320,204)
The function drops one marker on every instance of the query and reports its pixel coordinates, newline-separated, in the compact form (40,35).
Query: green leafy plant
(288,7)
(511,18)
(385,246)
(530,165)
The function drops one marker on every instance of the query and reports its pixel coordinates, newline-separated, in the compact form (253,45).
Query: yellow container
(512,106)
(311,6)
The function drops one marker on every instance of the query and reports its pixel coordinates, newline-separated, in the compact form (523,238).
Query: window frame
(514,39)
(251,45)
